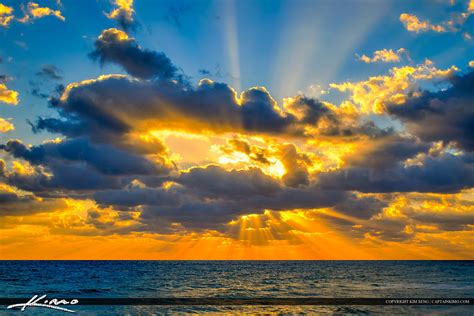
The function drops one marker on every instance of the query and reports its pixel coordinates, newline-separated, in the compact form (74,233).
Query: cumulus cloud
(209,197)
(374,94)
(14,204)
(413,24)
(109,151)
(386,151)
(120,105)
(115,46)
(31,12)
(384,55)
(446,173)
(123,13)
(6,15)
(455,23)
(447,115)
(35,11)
(78,165)
(8,96)
(5,126)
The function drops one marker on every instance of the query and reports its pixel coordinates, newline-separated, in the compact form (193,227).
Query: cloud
(413,24)
(123,14)
(6,15)
(296,166)
(209,197)
(112,150)
(5,126)
(14,204)
(384,55)
(49,72)
(454,24)
(374,94)
(114,105)
(386,151)
(34,11)
(446,115)
(104,158)
(418,215)
(8,96)
(115,46)
(78,165)
(446,173)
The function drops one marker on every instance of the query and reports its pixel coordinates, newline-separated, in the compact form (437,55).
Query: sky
(236,129)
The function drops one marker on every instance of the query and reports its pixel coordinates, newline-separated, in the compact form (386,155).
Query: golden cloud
(5,15)
(384,55)
(5,126)
(123,13)
(38,12)
(414,24)
(372,95)
(8,96)
(34,11)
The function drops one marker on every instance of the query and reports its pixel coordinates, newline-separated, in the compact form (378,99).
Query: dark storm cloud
(447,115)
(114,46)
(49,72)
(443,174)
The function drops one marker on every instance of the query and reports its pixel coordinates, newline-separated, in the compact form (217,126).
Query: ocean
(239,279)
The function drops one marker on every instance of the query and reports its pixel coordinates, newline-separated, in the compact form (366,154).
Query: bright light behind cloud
(332,134)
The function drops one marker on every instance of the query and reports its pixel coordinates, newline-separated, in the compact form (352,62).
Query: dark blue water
(248,279)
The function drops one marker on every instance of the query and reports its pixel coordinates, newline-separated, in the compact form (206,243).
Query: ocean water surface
(240,279)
